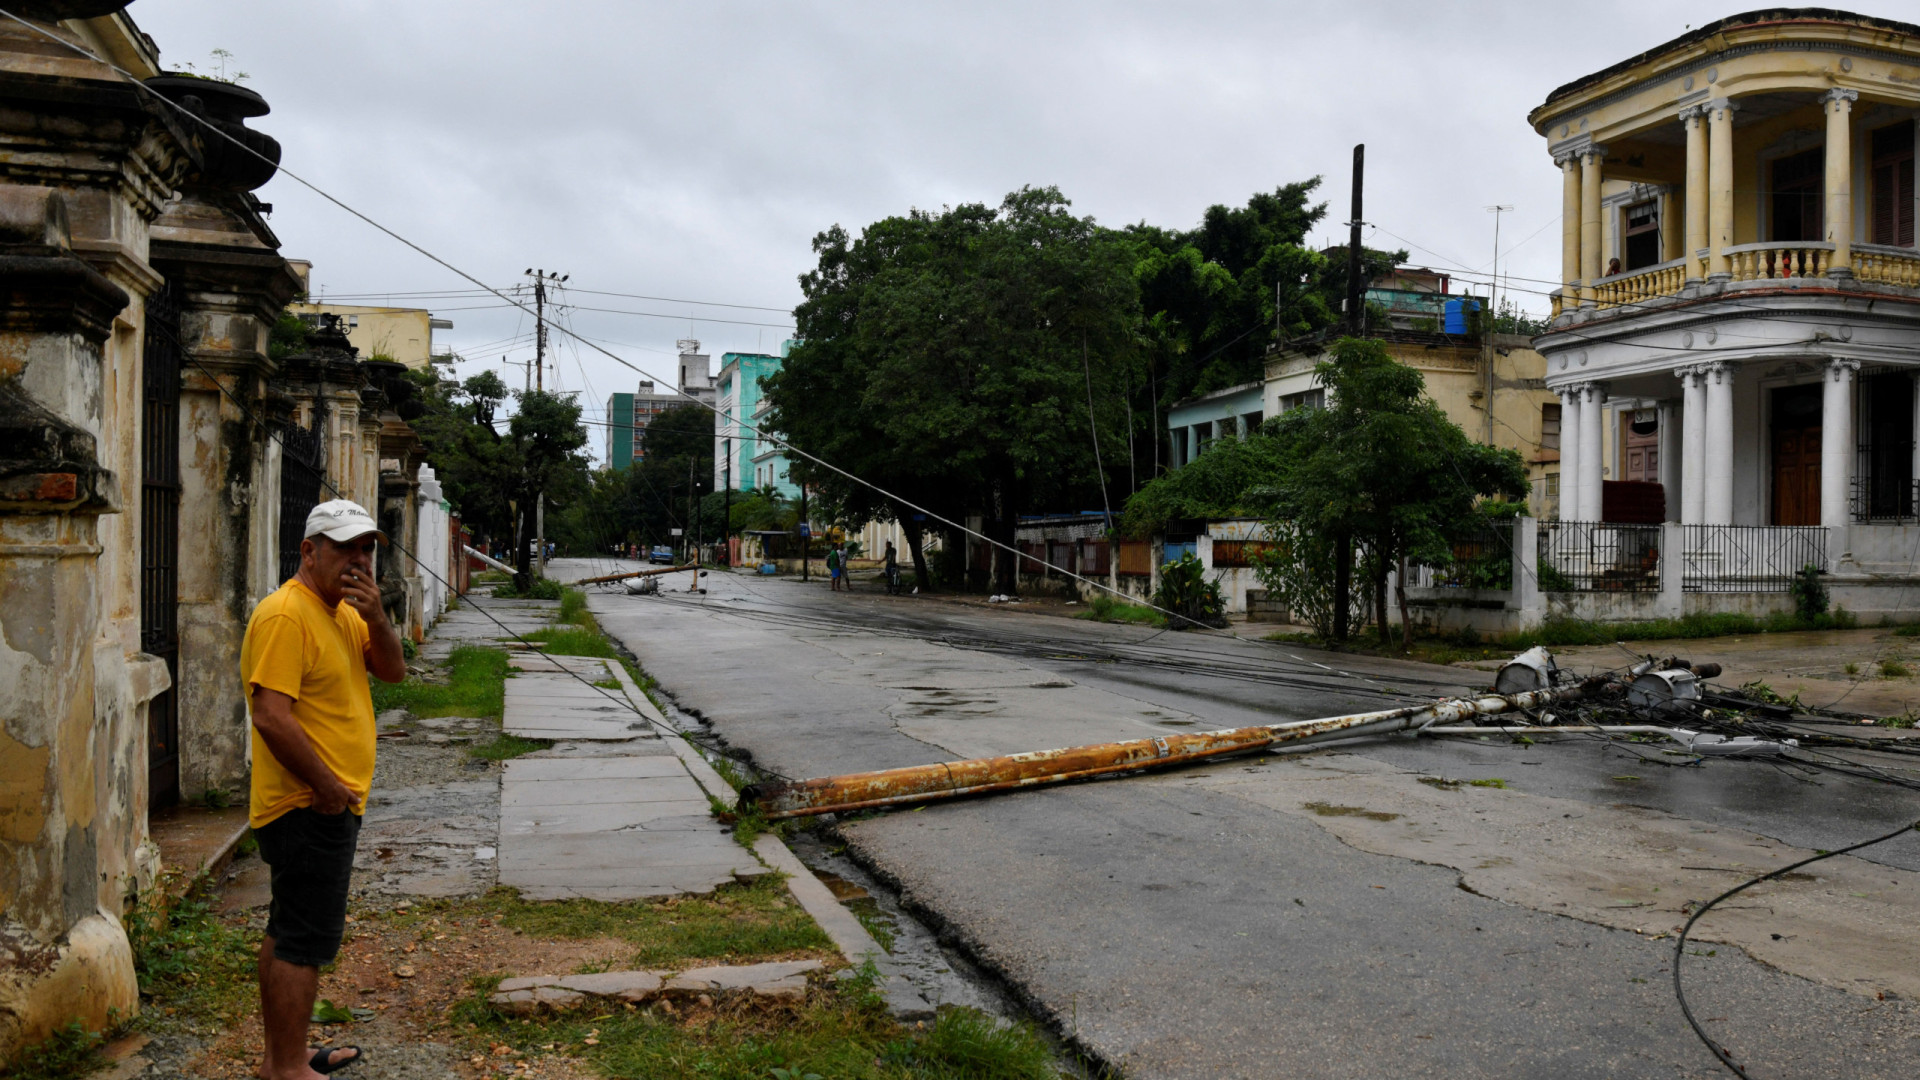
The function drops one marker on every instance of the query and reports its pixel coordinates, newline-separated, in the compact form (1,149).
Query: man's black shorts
(311,856)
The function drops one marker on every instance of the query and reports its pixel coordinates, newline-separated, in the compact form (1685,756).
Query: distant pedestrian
(304,661)
(835,565)
(892,570)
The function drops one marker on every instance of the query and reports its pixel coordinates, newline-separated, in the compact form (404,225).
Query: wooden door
(1796,476)
(1640,446)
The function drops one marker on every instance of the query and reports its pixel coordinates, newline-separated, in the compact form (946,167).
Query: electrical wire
(209,126)
(1680,943)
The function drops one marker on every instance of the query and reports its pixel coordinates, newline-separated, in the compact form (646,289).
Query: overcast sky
(692,151)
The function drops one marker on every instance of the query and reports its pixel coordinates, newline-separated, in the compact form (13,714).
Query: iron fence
(1884,500)
(1750,558)
(1482,559)
(1592,556)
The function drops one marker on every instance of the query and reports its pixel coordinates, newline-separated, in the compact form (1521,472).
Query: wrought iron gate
(160,539)
(300,473)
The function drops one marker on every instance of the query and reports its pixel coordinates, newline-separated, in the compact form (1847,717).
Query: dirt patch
(1330,810)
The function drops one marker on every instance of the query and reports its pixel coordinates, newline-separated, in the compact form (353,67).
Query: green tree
(546,438)
(1382,466)
(950,358)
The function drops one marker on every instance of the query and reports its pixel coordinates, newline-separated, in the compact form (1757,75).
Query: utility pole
(540,279)
(1493,309)
(693,516)
(726,516)
(806,534)
(1356,322)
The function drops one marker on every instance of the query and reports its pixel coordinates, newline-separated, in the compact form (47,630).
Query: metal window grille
(1882,489)
(1591,556)
(1750,558)
(160,536)
(300,473)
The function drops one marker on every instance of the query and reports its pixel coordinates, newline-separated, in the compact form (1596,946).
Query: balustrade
(1664,279)
(1887,266)
(1783,261)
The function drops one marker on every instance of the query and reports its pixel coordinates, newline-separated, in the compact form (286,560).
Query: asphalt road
(1202,924)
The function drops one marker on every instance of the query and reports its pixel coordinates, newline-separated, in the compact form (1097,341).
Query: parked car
(660,554)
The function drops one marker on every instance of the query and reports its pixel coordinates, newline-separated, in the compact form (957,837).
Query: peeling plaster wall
(81,147)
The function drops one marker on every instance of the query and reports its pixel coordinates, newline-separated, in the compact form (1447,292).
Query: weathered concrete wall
(89,163)
(230,283)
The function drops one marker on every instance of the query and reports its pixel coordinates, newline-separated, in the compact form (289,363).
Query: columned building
(1739,319)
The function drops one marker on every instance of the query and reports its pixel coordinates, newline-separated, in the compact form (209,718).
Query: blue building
(741,455)
(1197,421)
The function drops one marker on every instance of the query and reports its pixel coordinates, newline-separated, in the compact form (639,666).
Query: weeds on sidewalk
(193,966)
(476,686)
(838,1030)
(1106,608)
(754,918)
(538,589)
(70,1052)
(503,747)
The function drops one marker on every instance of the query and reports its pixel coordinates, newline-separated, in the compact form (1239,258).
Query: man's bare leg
(287,992)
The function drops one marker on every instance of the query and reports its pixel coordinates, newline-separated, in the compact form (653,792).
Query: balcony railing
(1780,261)
(1750,558)
(1662,279)
(1886,265)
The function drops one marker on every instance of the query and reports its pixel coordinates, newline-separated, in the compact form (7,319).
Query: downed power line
(947,780)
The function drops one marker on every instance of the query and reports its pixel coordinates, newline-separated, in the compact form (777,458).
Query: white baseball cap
(341,520)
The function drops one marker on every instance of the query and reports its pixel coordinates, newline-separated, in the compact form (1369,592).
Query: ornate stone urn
(227,106)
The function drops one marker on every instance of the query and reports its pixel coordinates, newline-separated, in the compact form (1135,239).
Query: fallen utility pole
(488,559)
(924,783)
(636,573)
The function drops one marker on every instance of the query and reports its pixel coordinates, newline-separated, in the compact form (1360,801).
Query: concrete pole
(1694,117)
(1693,474)
(1569,229)
(1836,441)
(1592,471)
(1719,449)
(1590,265)
(1720,188)
(1839,105)
(1569,453)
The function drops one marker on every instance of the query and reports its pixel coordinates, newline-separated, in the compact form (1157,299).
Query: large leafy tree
(961,361)
(1382,466)
(643,503)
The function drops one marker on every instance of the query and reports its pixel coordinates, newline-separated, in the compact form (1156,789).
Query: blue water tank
(1456,319)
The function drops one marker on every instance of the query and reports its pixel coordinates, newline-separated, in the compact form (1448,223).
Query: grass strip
(748,919)
(476,686)
(1107,608)
(840,1030)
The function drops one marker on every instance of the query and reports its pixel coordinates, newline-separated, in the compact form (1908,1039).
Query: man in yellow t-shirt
(305,660)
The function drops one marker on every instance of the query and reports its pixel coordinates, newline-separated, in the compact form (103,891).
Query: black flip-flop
(321,1062)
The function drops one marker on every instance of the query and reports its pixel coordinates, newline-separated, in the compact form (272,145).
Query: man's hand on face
(362,594)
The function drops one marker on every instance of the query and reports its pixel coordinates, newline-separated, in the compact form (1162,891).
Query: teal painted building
(742,456)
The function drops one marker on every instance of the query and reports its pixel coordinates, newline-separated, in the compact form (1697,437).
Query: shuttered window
(1893,185)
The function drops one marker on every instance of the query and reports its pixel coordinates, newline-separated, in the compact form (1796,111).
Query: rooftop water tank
(1456,315)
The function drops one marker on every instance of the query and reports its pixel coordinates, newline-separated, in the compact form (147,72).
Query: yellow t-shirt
(317,656)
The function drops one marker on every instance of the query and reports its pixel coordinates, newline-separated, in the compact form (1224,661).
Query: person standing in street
(834,566)
(892,570)
(305,659)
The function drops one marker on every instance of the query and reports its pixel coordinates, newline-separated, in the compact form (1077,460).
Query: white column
(1670,458)
(1569,453)
(1839,160)
(1718,453)
(1693,453)
(1592,468)
(1836,441)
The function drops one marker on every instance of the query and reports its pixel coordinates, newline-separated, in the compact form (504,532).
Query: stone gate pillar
(230,283)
